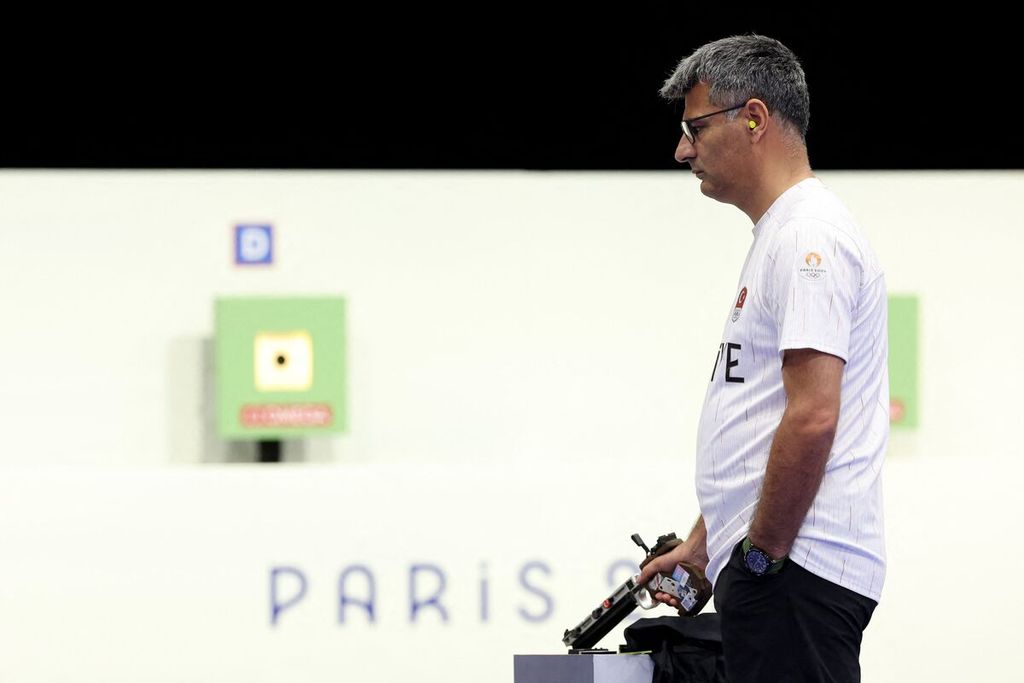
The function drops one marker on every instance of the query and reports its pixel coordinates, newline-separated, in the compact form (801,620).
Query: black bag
(684,649)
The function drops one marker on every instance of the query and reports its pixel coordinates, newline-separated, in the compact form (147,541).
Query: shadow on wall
(192,414)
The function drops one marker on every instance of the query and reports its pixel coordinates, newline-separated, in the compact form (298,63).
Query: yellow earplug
(753,125)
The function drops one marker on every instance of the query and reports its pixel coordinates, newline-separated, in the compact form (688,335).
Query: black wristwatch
(757,561)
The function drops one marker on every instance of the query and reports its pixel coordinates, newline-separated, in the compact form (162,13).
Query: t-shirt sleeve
(813,279)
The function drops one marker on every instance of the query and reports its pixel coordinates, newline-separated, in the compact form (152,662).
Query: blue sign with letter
(254,245)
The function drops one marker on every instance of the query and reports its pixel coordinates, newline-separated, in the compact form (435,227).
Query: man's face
(718,153)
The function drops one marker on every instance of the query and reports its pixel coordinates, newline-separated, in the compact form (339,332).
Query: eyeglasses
(691,133)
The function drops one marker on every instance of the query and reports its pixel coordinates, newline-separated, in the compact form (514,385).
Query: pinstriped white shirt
(810,281)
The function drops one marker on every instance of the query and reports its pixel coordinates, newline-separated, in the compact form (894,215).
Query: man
(796,416)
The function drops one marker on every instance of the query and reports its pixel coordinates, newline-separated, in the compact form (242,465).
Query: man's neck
(772,188)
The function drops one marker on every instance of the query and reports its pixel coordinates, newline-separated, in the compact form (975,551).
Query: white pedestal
(609,668)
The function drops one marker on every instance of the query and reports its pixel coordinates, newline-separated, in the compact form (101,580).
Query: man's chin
(712,192)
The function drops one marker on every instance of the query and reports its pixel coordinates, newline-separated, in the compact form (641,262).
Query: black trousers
(789,626)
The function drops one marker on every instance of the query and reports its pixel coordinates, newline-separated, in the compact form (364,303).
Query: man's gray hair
(738,68)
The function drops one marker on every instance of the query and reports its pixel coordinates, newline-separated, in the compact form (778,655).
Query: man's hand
(693,551)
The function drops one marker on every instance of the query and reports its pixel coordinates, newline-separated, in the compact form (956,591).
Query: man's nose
(684,150)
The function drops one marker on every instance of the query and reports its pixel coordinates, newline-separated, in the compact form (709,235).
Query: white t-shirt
(810,281)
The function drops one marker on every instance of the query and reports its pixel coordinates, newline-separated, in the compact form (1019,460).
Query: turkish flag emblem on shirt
(739,304)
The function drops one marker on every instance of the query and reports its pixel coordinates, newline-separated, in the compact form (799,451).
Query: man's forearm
(796,465)
(697,542)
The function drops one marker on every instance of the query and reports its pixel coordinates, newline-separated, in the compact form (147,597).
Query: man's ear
(757,117)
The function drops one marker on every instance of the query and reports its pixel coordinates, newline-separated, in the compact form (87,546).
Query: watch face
(757,562)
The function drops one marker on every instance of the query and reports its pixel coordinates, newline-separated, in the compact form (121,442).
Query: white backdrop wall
(166,574)
(492,315)
(518,342)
